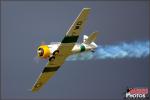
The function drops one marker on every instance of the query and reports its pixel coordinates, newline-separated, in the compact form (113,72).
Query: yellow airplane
(57,52)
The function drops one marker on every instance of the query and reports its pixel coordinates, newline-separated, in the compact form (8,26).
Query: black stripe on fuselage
(70,39)
(50,69)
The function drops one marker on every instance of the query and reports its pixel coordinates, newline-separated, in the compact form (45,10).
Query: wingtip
(87,8)
(33,91)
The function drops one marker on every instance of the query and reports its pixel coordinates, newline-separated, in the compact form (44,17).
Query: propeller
(36,58)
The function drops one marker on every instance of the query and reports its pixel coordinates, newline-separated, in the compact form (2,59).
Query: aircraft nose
(40,52)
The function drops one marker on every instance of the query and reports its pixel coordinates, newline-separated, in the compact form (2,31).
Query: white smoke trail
(135,49)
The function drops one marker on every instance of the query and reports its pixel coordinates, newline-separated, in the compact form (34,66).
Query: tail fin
(90,39)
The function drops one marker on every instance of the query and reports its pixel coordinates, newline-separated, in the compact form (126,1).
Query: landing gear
(52,58)
(56,52)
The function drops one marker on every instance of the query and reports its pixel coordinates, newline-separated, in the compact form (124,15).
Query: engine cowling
(43,51)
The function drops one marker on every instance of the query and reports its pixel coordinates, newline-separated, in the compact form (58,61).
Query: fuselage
(45,51)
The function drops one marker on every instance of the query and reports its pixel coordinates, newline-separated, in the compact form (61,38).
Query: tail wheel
(52,58)
(56,52)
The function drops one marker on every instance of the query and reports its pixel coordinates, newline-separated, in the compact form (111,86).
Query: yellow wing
(48,72)
(77,26)
(64,50)
(73,33)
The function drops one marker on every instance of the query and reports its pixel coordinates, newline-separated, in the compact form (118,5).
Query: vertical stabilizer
(91,38)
